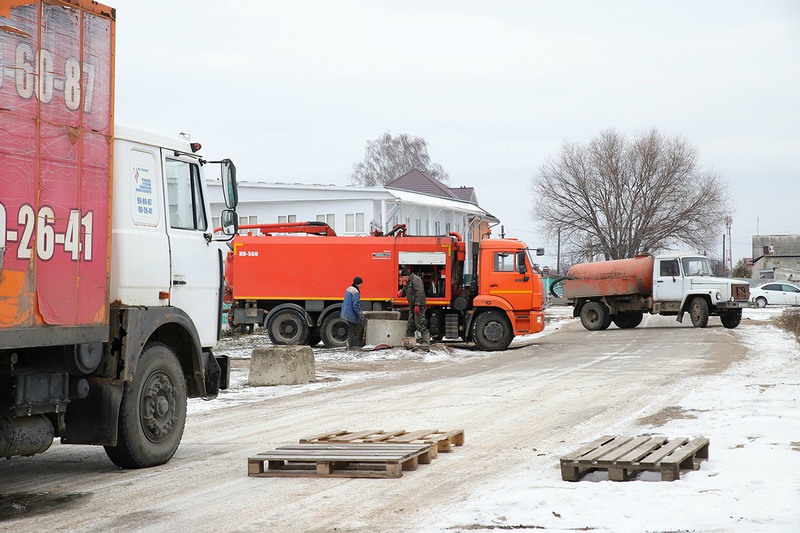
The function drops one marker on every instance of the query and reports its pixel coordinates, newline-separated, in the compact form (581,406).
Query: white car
(775,293)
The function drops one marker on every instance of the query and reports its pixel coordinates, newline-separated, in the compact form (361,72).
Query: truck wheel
(491,331)
(761,301)
(732,319)
(698,312)
(628,320)
(594,316)
(153,411)
(288,326)
(334,331)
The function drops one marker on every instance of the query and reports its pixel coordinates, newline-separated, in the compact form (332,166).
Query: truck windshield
(696,266)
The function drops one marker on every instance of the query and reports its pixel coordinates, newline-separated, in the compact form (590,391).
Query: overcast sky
(293,90)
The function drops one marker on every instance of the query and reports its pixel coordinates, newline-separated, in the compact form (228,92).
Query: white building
(352,210)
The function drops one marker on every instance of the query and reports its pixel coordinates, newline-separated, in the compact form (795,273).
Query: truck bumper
(528,324)
(727,306)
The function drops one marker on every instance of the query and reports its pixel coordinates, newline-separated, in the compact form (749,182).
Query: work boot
(426,339)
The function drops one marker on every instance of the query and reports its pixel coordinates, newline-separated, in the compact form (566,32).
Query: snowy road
(520,409)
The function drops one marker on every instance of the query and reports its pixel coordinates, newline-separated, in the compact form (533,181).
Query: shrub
(789,320)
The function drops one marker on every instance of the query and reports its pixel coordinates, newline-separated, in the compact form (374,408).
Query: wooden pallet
(624,457)
(339,460)
(444,440)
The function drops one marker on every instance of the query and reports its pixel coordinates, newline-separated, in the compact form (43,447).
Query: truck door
(667,281)
(507,282)
(194,262)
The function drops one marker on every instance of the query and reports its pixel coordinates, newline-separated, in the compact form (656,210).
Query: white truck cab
(162,252)
(684,283)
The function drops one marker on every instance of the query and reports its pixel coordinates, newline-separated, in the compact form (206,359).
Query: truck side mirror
(540,251)
(522,268)
(229,222)
(229,189)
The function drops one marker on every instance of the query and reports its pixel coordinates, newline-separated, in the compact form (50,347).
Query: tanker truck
(621,291)
(110,279)
(293,285)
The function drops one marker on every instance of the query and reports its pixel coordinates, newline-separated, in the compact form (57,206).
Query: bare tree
(388,158)
(615,198)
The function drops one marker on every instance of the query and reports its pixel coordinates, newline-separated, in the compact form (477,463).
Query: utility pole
(558,253)
(728,256)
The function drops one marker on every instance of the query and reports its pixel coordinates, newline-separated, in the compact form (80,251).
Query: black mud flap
(213,377)
(93,420)
(225,371)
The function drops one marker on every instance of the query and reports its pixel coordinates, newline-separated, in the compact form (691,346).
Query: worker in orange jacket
(415,294)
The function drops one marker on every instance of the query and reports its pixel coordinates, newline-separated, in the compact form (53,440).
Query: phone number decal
(36,232)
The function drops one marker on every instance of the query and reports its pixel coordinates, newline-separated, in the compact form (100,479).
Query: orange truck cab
(293,285)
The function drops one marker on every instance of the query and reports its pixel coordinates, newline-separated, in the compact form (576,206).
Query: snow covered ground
(751,483)
(240,347)
(750,412)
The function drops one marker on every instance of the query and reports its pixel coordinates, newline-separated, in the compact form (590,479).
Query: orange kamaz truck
(293,285)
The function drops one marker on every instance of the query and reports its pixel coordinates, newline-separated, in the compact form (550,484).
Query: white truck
(621,291)
(110,276)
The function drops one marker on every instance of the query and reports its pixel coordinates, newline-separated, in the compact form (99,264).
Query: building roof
(438,202)
(465,193)
(418,181)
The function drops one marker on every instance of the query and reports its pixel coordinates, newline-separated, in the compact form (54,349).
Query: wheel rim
(339,331)
(159,411)
(335,332)
(493,331)
(286,329)
(592,316)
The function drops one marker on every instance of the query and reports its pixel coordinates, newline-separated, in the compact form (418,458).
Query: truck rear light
(163,295)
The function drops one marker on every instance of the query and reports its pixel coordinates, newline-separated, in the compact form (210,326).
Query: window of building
(185,196)
(436,228)
(329,219)
(418,227)
(354,223)
(447,228)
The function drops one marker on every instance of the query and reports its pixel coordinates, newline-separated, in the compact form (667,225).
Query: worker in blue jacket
(353,315)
